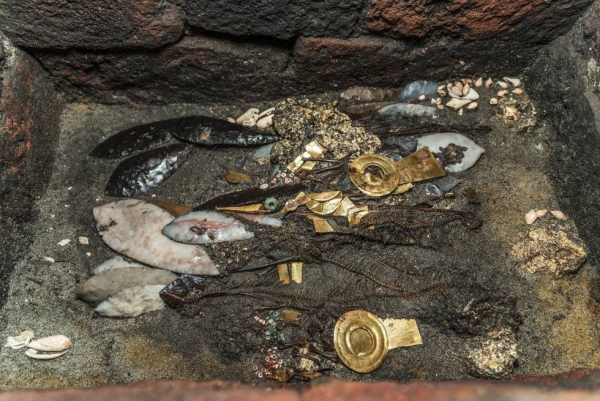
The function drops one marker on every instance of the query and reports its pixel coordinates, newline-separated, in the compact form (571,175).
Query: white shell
(503,85)
(472,95)
(531,217)
(541,213)
(457,104)
(19,341)
(517,91)
(479,82)
(513,81)
(493,101)
(489,82)
(558,215)
(265,122)
(502,93)
(466,89)
(248,118)
(52,343)
(472,106)
(36,355)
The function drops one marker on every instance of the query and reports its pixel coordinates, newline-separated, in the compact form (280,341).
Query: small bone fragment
(36,355)
(52,343)
(248,118)
(531,217)
(84,241)
(19,341)
(265,122)
(558,215)
(64,242)
(48,259)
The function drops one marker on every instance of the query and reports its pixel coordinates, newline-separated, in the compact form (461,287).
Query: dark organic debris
(132,141)
(176,293)
(362,110)
(389,127)
(249,196)
(451,154)
(143,172)
(211,131)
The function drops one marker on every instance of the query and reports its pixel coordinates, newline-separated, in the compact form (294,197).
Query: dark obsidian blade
(132,141)
(210,131)
(141,173)
(249,196)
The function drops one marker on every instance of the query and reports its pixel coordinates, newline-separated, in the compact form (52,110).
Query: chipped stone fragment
(492,356)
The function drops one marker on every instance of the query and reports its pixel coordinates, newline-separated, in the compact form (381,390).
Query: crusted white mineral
(492,356)
(132,302)
(110,282)
(550,249)
(133,228)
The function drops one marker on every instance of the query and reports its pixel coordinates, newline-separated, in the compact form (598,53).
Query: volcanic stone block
(197,69)
(532,21)
(91,24)
(282,19)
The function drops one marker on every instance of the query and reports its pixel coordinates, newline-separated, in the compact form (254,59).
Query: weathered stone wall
(159,51)
(29,121)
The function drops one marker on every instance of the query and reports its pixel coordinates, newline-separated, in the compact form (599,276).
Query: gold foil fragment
(361,341)
(324,203)
(235,177)
(256,208)
(293,204)
(418,166)
(356,214)
(284,276)
(345,206)
(296,271)
(290,315)
(401,189)
(313,151)
(321,225)
(381,182)
(402,332)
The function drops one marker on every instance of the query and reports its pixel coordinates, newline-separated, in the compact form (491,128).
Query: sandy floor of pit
(559,331)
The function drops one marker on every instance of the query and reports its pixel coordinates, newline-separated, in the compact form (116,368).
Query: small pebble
(88,254)
(531,217)
(84,241)
(64,242)
(48,259)
(558,215)
(422,97)
(472,106)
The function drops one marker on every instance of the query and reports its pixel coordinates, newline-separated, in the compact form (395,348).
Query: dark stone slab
(91,24)
(280,19)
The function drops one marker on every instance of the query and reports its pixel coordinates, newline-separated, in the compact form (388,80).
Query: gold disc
(361,341)
(372,184)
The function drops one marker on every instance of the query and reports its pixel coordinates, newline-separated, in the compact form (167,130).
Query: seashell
(517,91)
(265,122)
(466,81)
(479,82)
(19,341)
(513,81)
(466,89)
(249,118)
(493,101)
(472,106)
(32,353)
(503,85)
(457,103)
(456,89)
(531,217)
(52,343)
(472,95)
(489,82)
(267,112)
(502,93)
(541,213)
(558,215)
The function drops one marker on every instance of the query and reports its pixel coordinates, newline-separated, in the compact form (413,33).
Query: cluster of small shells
(533,215)
(464,96)
(253,117)
(44,348)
